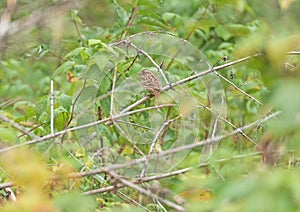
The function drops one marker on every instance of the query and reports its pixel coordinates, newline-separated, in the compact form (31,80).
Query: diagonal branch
(18,126)
(113,90)
(238,89)
(145,192)
(154,142)
(150,58)
(232,125)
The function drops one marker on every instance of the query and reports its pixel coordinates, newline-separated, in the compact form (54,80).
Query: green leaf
(152,20)
(149,4)
(94,42)
(41,50)
(66,66)
(105,105)
(104,60)
(169,16)
(61,117)
(251,87)
(29,113)
(121,12)
(64,100)
(251,107)
(207,24)
(74,52)
(88,92)
(8,136)
(105,84)
(74,202)
(223,32)
(238,30)
(285,97)
(75,17)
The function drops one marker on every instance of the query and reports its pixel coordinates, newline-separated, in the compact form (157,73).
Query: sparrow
(150,82)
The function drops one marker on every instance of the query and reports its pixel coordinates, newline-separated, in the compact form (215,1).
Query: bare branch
(238,89)
(175,150)
(18,126)
(145,192)
(232,125)
(150,58)
(6,185)
(293,53)
(154,141)
(11,194)
(113,90)
(51,108)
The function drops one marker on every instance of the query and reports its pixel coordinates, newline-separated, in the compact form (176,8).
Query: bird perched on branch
(150,82)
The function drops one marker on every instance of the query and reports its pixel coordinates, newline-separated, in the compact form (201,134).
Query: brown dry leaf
(71,77)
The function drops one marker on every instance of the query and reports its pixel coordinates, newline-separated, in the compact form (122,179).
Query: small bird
(150,82)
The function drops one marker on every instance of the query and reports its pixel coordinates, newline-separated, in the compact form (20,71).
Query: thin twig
(18,126)
(154,142)
(6,185)
(78,31)
(9,102)
(11,194)
(228,122)
(30,130)
(238,89)
(133,14)
(73,109)
(293,53)
(100,179)
(134,124)
(151,60)
(51,108)
(145,192)
(128,138)
(113,90)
